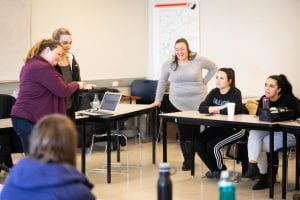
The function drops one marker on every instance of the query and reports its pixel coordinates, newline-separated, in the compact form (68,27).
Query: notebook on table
(108,106)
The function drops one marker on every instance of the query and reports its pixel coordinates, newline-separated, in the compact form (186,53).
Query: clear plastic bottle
(95,103)
(226,187)
(164,184)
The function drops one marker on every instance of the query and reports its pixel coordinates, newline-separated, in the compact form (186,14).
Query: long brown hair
(230,75)
(54,139)
(191,55)
(40,46)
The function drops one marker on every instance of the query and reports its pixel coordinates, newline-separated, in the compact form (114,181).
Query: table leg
(108,153)
(154,134)
(83,148)
(284,162)
(271,190)
(118,142)
(297,160)
(164,137)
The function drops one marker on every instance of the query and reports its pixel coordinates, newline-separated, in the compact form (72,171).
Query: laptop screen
(110,101)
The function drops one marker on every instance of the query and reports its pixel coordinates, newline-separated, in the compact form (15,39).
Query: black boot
(263,182)
(187,151)
(252,171)
(4,167)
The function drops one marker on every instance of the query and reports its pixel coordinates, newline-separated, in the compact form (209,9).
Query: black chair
(9,140)
(146,89)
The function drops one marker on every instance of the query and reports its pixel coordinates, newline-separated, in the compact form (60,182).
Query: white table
(240,121)
(123,111)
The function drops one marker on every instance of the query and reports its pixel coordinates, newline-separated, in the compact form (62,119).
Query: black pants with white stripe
(211,140)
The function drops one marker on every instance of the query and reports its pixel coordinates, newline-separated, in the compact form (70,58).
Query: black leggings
(71,113)
(209,143)
(186,132)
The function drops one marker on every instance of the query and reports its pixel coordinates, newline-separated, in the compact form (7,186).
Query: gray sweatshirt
(187,85)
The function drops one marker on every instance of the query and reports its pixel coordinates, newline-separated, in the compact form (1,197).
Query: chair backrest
(6,103)
(251,106)
(15,146)
(145,89)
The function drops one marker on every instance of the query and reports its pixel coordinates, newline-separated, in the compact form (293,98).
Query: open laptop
(108,106)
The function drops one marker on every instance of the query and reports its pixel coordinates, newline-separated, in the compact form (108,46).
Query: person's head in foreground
(49,170)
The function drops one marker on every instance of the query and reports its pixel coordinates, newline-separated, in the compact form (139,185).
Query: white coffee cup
(230,111)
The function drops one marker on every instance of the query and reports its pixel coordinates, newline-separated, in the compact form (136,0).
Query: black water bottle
(164,184)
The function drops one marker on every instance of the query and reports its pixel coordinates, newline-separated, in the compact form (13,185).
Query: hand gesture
(89,86)
(156,103)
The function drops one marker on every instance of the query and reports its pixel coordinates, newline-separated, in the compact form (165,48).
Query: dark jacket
(31,179)
(75,77)
(215,98)
(42,91)
(283,101)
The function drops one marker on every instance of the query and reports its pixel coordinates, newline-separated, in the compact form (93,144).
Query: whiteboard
(170,20)
(14,37)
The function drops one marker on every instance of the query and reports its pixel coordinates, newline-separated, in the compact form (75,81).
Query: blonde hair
(40,46)
(54,139)
(60,31)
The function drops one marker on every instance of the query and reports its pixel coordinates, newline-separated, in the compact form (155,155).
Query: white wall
(109,36)
(14,37)
(258,37)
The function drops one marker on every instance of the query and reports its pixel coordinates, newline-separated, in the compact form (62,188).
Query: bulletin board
(168,21)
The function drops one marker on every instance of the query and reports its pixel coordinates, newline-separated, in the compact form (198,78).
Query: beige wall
(109,36)
(14,37)
(258,37)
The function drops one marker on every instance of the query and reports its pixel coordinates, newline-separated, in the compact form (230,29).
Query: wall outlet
(115,83)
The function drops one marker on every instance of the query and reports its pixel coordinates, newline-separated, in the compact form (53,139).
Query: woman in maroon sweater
(42,89)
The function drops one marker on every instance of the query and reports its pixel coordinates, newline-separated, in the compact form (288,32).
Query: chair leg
(139,134)
(234,150)
(92,144)
(140,140)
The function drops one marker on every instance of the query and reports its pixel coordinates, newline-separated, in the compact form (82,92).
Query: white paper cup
(230,111)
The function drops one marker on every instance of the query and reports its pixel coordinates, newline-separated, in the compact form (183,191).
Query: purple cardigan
(42,91)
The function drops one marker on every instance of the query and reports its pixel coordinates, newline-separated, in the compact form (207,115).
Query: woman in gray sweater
(187,90)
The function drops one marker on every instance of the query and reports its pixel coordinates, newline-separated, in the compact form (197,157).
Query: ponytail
(40,46)
(284,84)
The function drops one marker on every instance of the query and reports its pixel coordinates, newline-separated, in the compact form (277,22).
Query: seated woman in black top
(212,139)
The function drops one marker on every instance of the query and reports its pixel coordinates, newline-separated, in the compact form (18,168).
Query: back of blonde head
(59,32)
(54,139)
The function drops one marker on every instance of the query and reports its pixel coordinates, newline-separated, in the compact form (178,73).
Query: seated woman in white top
(279,92)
